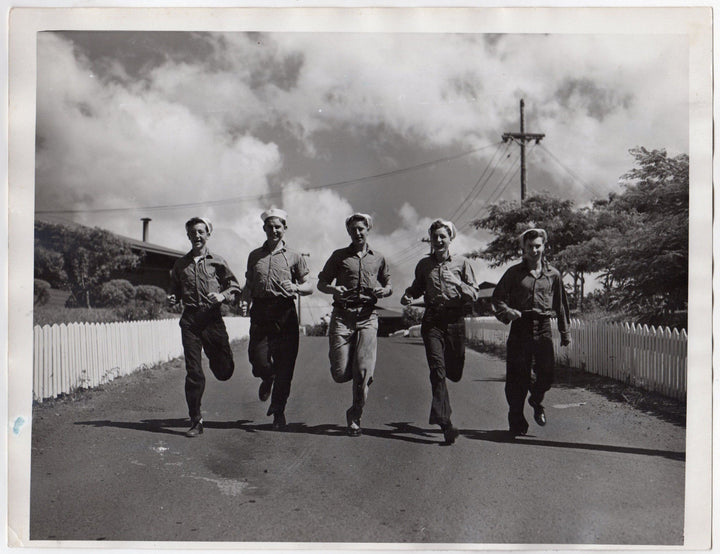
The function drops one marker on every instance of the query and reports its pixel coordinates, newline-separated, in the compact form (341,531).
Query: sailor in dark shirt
(447,283)
(202,281)
(528,295)
(275,274)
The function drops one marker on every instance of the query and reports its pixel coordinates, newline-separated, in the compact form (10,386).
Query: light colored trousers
(353,351)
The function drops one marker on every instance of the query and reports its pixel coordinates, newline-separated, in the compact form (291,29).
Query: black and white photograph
(360,278)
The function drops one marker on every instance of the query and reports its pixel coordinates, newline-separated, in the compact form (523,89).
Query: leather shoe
(279,422)
(265,389)
(517,431)
(450,433)
(539,413)
(196,429)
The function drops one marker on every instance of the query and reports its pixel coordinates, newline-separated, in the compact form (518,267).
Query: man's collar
(544,266)
(281,246)
(448,259)
(207,254)
(367,250)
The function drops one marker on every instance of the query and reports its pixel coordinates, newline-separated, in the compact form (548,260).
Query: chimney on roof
(146,225)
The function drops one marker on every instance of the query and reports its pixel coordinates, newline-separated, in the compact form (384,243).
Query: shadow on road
(399,431)
(166,426)
(504,436)
(668,409)
(402,431)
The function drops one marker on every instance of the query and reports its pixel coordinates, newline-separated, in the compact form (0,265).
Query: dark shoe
(539,413)
(279,422)
(265,389)
(353,424)
(196,429)
(518,431)
(450,433)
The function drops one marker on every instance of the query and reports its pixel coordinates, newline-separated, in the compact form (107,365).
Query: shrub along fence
(85,355)
(646,357)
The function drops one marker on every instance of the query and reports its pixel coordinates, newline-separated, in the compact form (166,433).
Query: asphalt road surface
(114,464)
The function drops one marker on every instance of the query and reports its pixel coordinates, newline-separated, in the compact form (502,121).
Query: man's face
(358,232)
(274,229)
(198,236)
(533,249)
(440,239)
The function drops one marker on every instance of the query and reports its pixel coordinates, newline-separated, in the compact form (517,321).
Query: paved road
(114,464)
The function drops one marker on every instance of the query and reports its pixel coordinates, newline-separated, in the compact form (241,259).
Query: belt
(534,316)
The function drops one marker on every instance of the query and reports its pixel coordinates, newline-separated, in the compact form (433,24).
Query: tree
(566,227)
(649,274)
(49,267)
(412,315)
(89,256)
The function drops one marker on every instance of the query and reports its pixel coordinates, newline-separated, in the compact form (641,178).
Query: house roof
(150,247)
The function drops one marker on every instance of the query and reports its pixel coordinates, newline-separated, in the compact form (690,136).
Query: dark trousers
(273,347)
(529,347)
(204,329)
(443,332)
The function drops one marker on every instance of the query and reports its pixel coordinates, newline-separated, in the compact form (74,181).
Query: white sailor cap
(443,223)
(540,232)
(275,212)
(195,220)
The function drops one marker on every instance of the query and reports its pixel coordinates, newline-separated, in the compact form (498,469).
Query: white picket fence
(85,355)
(646,357)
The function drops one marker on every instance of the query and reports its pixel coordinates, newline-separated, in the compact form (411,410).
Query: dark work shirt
(431,280)
(359,274)
(192,280)
(267,269)
(539,296)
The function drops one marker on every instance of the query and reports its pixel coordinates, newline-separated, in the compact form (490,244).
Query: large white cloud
(196,130)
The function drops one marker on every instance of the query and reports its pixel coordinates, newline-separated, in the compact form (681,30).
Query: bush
(139,310)
(412,315)
(52,315)
(41,292)
(114,293)
(317,330)
(150,293)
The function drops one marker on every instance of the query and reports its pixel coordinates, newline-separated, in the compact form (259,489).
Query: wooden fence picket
(85,355)
(642,355)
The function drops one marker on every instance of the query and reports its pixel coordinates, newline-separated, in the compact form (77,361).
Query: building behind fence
(646,357)
(85,355)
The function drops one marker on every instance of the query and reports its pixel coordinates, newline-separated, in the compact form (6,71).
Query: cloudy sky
(406,127)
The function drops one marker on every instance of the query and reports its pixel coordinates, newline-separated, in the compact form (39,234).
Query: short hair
(195,220)
(365,218)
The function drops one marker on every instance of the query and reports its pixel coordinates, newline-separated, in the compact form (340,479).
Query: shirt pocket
(544,292)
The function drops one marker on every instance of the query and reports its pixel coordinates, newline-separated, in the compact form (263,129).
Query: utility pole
(306,255)
(522,138)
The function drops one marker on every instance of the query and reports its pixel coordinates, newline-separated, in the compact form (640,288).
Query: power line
(268,195)
(475,193)
(572,174)
(506,177)
(410,252)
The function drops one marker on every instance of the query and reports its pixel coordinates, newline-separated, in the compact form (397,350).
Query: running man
(528,295)
(360,276)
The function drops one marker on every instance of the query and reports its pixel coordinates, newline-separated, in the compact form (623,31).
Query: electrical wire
(268,195)
(572,174)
